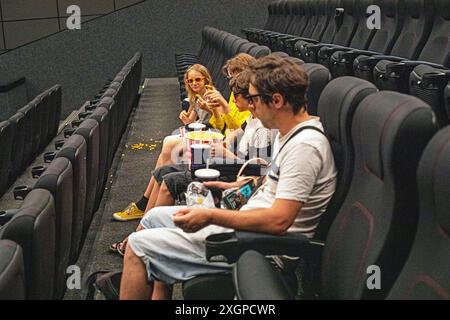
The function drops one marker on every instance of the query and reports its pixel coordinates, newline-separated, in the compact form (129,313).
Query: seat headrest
(338,103)
(415,8)
(434,181)
(377,130)
(443,8)
(389,7)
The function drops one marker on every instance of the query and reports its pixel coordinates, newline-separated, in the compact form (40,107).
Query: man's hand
(191,220)
(221,185)
(219,151)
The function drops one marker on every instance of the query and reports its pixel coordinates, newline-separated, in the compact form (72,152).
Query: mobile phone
(236,199)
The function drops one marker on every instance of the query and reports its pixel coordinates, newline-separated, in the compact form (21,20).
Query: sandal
(119,247)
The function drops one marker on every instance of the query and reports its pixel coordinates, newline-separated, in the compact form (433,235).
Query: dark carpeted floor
(155,117)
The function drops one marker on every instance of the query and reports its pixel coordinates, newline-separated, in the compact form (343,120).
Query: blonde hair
(238,63)
(205,73)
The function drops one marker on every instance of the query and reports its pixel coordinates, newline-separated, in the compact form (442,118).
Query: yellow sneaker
(131,212)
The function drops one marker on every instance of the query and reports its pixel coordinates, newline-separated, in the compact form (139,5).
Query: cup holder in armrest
(21,192)
(59,144)
(91,107)
(37,171)
(219,245)
(68,132)
(76,123)
(95,101)
(7,215)
(49,156)
(84,115)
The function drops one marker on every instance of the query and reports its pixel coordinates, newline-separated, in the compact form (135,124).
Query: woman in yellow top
(225,115)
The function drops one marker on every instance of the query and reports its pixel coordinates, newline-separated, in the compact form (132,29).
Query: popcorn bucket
(195,140)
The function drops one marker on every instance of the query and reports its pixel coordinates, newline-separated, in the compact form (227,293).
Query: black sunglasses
(251,97)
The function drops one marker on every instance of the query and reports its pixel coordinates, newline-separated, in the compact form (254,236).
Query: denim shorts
(170,254)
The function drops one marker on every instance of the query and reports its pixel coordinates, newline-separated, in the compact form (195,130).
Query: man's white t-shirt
(306,172)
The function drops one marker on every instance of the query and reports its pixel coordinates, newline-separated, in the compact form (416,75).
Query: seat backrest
(363,35)
(350,19)
(331,28)
(29,123)
(57,179)
(447,100)
(110,105)
(55,111)
(17,152)
(280,16)
(75,149)
(337,105)
(6,143)
(430,91)
(418,19)
(324,17)
(302,18)
(12,275)
(33,228)
(392,18)
(259,51)
(426,274)
(270,17)
(318,76)
(312,11)
(101,115)
(437,47)
(90,131)
(246,47)
(377,221)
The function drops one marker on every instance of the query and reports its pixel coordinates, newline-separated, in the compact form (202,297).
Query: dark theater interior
(206,150)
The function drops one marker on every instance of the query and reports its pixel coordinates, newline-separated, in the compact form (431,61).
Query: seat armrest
(353,54)
(228,247)
(232,169)
(329,49)
(254,278)
(438,79)
(370,62)
(7,215)
(406,66)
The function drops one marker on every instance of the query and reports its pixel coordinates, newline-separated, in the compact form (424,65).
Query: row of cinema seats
(390,210)
(25,134)
(219,46)
(408,54)
(370,220)
(51,224)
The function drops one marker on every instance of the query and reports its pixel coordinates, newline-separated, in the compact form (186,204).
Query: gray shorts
(170,254)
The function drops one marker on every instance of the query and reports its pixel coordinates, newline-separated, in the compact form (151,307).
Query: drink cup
(205,175)
(200,153)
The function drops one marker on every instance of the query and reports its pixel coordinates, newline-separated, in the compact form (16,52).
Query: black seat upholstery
(416,27)
(382,42)
(377,222)
(12,276)
(337,105)
(90,131)
(33,228)
(101,115)
(17,150)
(360,38)
(6,143)
(75,149)
(436,52)
(319,76)
(58,179)
(426,274)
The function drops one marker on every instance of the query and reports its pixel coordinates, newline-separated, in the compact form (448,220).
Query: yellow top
(230,121)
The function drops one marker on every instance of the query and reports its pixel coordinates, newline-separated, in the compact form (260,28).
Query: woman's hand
(216,100)
(184,117)
(202,104)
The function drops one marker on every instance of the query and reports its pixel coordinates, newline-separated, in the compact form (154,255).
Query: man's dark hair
(241,82)
(272,74)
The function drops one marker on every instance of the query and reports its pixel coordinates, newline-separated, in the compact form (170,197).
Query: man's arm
(274,220)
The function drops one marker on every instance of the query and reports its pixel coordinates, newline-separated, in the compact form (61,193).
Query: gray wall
(82,60)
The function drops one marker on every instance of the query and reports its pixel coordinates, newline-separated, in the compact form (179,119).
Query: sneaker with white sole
(131,212)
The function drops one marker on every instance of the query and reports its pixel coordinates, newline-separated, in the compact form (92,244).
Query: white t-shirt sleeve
(299,170)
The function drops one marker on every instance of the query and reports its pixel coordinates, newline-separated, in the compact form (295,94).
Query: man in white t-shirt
(296,192)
